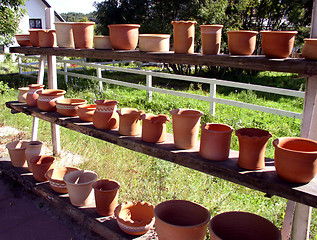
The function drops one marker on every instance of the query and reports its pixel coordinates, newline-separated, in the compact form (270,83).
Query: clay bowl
(67,107)
(55,177)
(154,42)
(86,111)
(23,39)
(40,165)
(47,99)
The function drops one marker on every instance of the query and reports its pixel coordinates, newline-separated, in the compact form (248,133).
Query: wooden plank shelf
(265,180)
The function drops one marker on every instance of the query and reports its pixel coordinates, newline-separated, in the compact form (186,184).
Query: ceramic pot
(83,34)
(186,127)
(184,36)
(124,36)
(154,42)
(102,42)
(252,145)
(16,151)
(86,112)
(79,186)
(106,116)
(33,149)
(23,91)
(64,34)
(23,40)
(215,141)
(310,49)
(211,38)
(154,128)
(47,99)
(67,107)
(135,218)
(47,38)
(278,44)
(241,42)
(32,95)
(34,37)
(40,165)
(242,225)
(181,220)
(129,121)
(106,196)
(295,159)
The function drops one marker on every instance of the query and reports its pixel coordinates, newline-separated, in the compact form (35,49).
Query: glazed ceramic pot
(64,34)
(124,36)
(67,107)
(106,196)
(47,38)
(181,220)
(278,44)
(135,218)
(242,225)
(310,49)
(33,149)
(154,42)
(16,151)
(186,127)
(86,112)
(241,42)
(40,165)
(23,40)
(106,116)
(184,36)
(102,42)
(215,141)
(252,145)
(47,99)
(79,186)
(23,91)
(295,159)
(83,34)
(34,37)
(154,128)
(32,95)
(129,121)
(211,38)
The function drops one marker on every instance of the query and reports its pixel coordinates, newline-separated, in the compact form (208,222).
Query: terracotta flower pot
(129,121)
(106,116)
(241,42)
(102,42)
(47,38)
(242,225)
(124,36)
(215,141)
(278,44)
(181,220)
(295,159)
(40,165)
(34,37)
(106,196)
(186,127)
(184,36)
(64,34)
(211,38)
(310,49)
(86,112)
(135,218)
(47,99)
(16,151)
(23,91)
(33,149)
(83,34)
(23,40)
(67,107)
(154,42)
(252,145)
(32,95)
(154,128)
(79,186)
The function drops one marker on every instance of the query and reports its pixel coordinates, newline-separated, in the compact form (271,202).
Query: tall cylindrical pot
(124,36)
(106,116)
(23,92)
(40,166)
(154,128)
(241,42)
(83,34)
(17,153)
(33,149)
(32,96)
(211,38)
(184,36)
(129,121)
(64,34)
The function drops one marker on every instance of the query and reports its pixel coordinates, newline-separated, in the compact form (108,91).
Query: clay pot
(23,40)
(47,38)
(124,36)
(32,95)
(129,121)
(154,128)
(215,141)
(135,218)
(64,34)
(211,38)
(23,91)
(40,165)
(79,186)
(181,220)
(184,36)
(252,145)
(242,225)
(241,42)
(47,99)
(55,177)
(278,44)
(106,116)
(102,42)
(106,196)
(33,149)
(186,127)
(86,112)
(310,49)
(83,34)
(154,42)
(34,37)
(295,159)
(67,107)
(17,153)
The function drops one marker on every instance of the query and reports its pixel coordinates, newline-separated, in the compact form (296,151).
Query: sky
(65,6)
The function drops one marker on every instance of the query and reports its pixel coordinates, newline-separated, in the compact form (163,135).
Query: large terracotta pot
(211,38)
(184,36)
(40,165)
(154,128)
(102,42)
(68,107)
(47,38)
(32,96)
(33,149)
(17,153)
(129,121)
(295,159)
(23,40)
(47,99)
(86,112)
(64,34)
(124,36)
(241,42)
(34,37)
(154,42)
(106,116)
(23,92)
(83,34)
(181,220)
(310,49)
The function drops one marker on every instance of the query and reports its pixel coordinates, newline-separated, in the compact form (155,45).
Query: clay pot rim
(48,174)
(106,102)
(154,35)
(16,141)
(133,111)
(64,23)
(230,130)
(124,25)
(51,92)
(278,32)
(83,23)
(106,180)
(35,159)
(238,133)
(83,183)
(184,22)
(70,101)
(276,145)
(145,117)
(34,143)
(22,35)
(243,31)
(36,30)
(35,86)
(101,36)
(211,25)
(175,112)
(314,40)
(23,88)
(87,106)
(48,31)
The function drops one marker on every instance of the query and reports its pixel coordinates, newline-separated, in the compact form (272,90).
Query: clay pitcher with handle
(154,127)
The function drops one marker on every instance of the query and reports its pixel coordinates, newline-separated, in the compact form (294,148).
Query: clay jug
(40,165)
(106,116)
(241,42)
(154,128)
(47,99)
(83,34)
(129,121)
(23,91)
(32,96)
(33,149)
(17,153)
(211,38)
(47,38)
(64,34)
(124,36)
(310,49)
(184,36)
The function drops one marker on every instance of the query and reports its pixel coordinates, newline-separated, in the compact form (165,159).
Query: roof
(56,14)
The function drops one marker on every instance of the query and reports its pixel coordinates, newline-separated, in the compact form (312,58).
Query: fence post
(149,84)
(19,64)
(213,92)
(99,76)
(65,70)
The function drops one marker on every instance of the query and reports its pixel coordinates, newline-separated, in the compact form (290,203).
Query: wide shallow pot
(295,159)
(124,36)
(252,145)
(55,177)
(83,34)
(184,36)
(106,196)
(17,153)
(33,149)
(79,186)
(47,38)
(135,218)
(64,34)
(102,42)
(32,95)
(215,141)
(154,128)
(181,220)
(86,112)
(40,165)
(129,121)
(154,42)
(241,42)
(310,49)
(67,107)
(34,37)
(278,44)
(23,40)
(186,127)
(23,91)
(211,38)
(242,225)
(106,116)
(47,99)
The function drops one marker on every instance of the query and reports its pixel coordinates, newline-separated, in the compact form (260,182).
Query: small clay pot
(211,38)
(34,37)
(23,91)
(32,95)
(184,36)
(33,149)
(67,107)
(83,34)
(64,34)
(40,165)
(106,116)
(310,49)
(154,42)
(154,128)
(23,40)
(241,42)
(86,112)
(47,99)
(129,121)
(102,42)
(47,38)
(16,151)
(124,36)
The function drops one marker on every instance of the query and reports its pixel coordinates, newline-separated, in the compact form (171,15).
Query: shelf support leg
(301,223)
(149,84)
(99,75)
(213,92)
